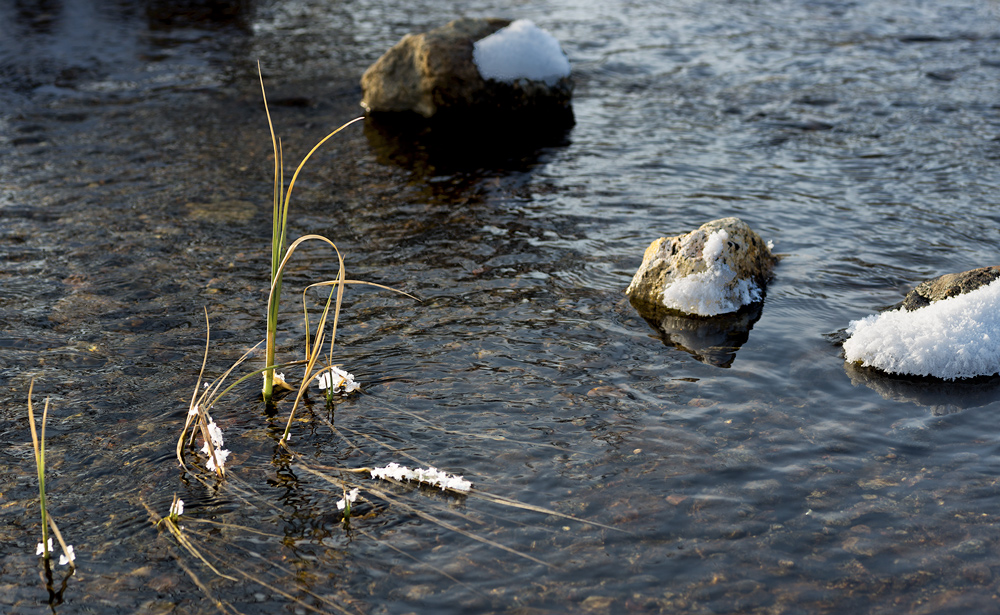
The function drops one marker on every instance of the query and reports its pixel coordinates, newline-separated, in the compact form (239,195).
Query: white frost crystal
(177,509)
(348,499)
(216,434)
(715,290)
(68,557)
(217,441)
(40,550)
(220,455)
(957,337)
(428,476)
(340,380)
(522,50)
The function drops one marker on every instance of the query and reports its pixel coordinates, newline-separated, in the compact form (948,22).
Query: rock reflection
(438,148)
(941,396)
(165,14)
(714,340)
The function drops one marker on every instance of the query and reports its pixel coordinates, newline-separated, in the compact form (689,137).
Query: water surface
(762,476)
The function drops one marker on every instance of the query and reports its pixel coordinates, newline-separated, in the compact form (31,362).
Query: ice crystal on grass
(220,455)
(68,557)
(428,476)
(339,379)
(215,433)
(40,550)
(347,499)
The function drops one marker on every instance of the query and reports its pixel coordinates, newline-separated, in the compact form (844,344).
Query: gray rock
(433,74)
(949,285)
(744,263)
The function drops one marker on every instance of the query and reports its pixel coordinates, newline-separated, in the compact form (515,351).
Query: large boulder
(434,74)
(949,285)
(716,269)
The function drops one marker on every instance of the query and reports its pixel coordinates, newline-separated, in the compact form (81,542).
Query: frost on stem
(428,476)
(347,499)
(217,441)
(340,380)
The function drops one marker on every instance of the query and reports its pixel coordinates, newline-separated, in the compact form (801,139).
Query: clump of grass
(281,250)
(203,400)
(38,443)
(281,253)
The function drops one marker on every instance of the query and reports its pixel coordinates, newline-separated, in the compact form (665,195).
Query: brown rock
(433,73)
(744,257)
(949,285)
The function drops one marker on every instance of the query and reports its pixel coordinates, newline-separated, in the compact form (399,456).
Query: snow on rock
(957,337)
(713,291)
(521,74)
(715,269)
(522,50)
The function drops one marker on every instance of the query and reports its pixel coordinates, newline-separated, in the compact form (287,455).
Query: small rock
(949,285)
(977,573)
(716,269)
(434,74)
(597,603)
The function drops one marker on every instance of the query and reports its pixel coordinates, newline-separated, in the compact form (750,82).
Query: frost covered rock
(716,269)
(956,334)
(949,285)
(435,74)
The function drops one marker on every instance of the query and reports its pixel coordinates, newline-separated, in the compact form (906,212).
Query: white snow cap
(958,337)
(522,50)
(713,291)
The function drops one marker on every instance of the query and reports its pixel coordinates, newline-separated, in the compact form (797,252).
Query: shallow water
(742,471)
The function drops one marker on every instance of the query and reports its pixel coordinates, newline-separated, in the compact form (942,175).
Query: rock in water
(948,327)
(716,269)
(434,74)
(949,285)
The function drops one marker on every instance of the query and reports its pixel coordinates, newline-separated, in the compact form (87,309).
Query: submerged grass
(48,522)
(281,251)
(355,498)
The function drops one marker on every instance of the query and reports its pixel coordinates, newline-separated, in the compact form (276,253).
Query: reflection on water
(432,148)
(942,396)
(712,340)
(203,13)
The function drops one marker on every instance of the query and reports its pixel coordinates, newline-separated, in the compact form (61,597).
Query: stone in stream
(946,328)
(949,285)
(716,269)
(435,74)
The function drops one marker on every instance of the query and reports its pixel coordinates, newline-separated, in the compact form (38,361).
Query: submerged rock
(434,74)
(716,269)
(949,285)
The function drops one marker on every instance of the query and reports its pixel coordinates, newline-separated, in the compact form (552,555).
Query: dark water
(744,470)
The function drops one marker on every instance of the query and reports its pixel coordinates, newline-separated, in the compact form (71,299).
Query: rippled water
(737,470)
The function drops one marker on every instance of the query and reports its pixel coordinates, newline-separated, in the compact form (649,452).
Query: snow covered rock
(949,285)
(955,334)
(438,73)
(716,269)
